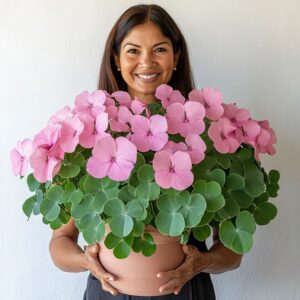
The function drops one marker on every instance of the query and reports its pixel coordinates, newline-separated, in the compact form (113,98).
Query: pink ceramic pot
(137,274)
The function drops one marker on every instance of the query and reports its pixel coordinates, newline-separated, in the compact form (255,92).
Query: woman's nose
(147,59)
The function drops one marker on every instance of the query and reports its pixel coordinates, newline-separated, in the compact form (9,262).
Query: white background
(50,51)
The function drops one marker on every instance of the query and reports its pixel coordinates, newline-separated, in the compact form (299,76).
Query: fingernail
(112,292)
(110,278)
(158,275)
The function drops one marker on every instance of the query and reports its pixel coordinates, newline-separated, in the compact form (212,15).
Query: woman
(145,49)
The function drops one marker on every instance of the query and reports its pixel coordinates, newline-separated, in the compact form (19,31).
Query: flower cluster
(204,151)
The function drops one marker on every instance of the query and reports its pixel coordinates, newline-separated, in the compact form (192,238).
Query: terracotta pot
(136,274)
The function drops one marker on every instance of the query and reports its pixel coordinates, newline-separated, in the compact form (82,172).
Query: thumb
(185,249)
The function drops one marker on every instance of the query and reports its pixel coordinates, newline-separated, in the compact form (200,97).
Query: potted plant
(130,173)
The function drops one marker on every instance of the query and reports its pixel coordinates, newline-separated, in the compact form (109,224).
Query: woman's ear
(176,57)
(117,60)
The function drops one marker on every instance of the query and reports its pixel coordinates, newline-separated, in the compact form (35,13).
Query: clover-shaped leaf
(223,160)
(49,206)
(264,213)
(111,240)
(114,207)
(127,193)
(134,209)
(214,204)
(254,179)
(241,198)
(148,190)
(201,233)
(121,225)
(229,210)
(274,176)
(170,223)
(32,183)
(238,237)
(209,189)
(145,173)
(72,196)
(167,203)
(78,210)
(69,170)
(234,182)
(89,220)
(93,235)
(218,175)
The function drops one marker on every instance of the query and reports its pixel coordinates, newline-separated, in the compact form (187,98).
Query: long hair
(110,79)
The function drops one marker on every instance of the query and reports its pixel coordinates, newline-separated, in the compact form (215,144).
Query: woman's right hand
(92,263)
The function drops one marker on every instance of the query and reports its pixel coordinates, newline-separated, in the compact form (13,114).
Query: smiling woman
(146,60)
(145,49)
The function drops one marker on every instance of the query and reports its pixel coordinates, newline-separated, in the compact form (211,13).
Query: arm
(219,258)
(69,257)
(64,251)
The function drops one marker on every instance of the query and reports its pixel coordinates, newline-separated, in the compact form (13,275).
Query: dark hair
(111,80)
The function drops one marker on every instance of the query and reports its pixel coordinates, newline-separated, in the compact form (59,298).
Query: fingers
(169,286)
(94,266)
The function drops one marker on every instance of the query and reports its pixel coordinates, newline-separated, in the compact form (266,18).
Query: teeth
(147,76)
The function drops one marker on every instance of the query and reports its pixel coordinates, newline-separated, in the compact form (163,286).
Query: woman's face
(146,60)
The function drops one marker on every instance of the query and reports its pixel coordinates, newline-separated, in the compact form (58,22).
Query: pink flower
(173,170)
(112,158)
(196,148)
(137,107)
(238,116)
(44,166)
(91,104)
(167,96)
(59,116)
(269,148)
(185,118)
(123,98)
(211,99)
(119,118)
(71,129)
(20,157)
(222,133)
(94,129)
(248,132)
(149,134)
(174,147)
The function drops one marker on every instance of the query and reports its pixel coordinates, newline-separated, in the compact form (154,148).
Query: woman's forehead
(146,33)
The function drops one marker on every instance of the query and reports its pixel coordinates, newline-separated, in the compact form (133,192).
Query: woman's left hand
(194,262)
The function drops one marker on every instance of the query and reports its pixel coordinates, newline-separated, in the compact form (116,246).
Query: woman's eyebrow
(138,46)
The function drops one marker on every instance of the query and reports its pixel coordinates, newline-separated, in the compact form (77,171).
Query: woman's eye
(133,51)
(160,49)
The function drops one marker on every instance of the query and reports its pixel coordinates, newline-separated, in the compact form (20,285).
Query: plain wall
(51,50)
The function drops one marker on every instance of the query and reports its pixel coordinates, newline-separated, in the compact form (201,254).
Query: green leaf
(49,208)
(76,158)
(214,204)
(134,209)
(223,160)
(145,173)
(138,228)
(55,193)
(148,249)
(235,182)
(137,244)
(254,179)
(127,193)
(264,213)
(230,209)
(122,250)
(264,197)
(238,238)
(206,218)
(69,171)
(32,183)
(209,189)
(92,185)
(28,206)
(170,223)
(89,220)
(167,203)
(218,175)
(245,154)
(274,176)
(93,235)
(121,225)
(241,198)
(80,209)
(72,196)
(202,233)
(149,191)
(111,241)
(114,207)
